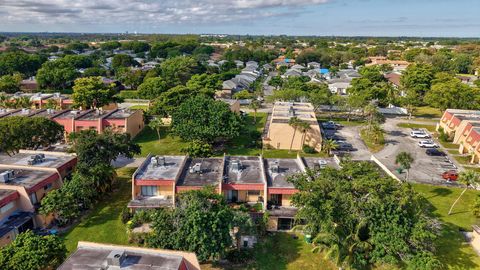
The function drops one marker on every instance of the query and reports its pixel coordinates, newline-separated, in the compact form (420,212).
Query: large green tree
(56,74)
(20,62)
(416,81)
(10,83)
(19,132)
(361,218)
(451,93)
(201,222)
(167,102)
(122,60)
(205,119)
(178,70)
(33,252)
(91,92)
(152,88)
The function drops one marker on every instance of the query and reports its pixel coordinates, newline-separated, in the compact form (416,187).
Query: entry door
(277,199)
(232,196)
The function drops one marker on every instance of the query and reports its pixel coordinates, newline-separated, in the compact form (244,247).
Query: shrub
(129,94)
(309,150)
(126,215)
(140,217)
(198,148)
(239,256)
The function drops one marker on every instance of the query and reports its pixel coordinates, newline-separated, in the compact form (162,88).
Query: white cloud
(145,11)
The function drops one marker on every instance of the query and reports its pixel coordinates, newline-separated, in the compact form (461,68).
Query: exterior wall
(244,196)
(280,137)
(87,124)
(68,124)
(162,190)
(16,207)
(134,124)
(7,238)
(286,199)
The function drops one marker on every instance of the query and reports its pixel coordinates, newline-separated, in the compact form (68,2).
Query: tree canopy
(178,70)
(10,83)
(152,88)
(361,218)
(19,132)
(201,222)
(31,251)
(56,74)
(202,118)
(91,92)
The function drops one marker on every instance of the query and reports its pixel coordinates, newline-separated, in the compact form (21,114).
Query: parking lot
(350,142)
(424,169)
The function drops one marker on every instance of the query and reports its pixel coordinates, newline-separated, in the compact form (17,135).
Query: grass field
(430,128)
(427,112)
(341,121)
(103,223)
(247,144)
(452,250)
(449,145)
(465,160)
(139,107)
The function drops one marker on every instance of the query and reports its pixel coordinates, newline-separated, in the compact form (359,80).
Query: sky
(428,18)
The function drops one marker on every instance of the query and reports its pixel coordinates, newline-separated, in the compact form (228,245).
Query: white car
(419,134)
(427,144)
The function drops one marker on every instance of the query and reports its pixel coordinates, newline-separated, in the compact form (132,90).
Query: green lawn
(430,128)
(463,159)
(247,144)
(139,107)
(103,224)
(427,112)
(452,250)
(167,145)
(449,145)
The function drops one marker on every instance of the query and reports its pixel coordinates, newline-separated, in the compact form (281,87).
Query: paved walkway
(128,162)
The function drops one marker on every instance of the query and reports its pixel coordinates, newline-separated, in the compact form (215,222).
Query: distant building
(280,135)
(25,179)
(119,120)
(397,65)
(105,256)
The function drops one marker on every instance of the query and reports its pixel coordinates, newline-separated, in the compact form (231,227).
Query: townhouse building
(463,128)
(254,181)
(119,120)
(25,179)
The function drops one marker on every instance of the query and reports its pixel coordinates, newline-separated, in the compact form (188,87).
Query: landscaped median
(374,142)
(430,128)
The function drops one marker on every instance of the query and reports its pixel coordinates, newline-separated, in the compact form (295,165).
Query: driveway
(122,161)
(425,169)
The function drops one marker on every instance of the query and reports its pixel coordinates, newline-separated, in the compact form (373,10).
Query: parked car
(434,152)
(451,175)
(418,133)
(331,125)
(427,144)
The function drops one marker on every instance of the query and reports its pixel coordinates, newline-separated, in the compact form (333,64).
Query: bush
(198,148)
(239,256)
(309,150)
(140,217)
(129,94)
(126,215)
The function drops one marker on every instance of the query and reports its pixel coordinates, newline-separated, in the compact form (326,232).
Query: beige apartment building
(279,134)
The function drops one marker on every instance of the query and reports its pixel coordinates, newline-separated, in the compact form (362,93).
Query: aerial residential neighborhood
(228,135)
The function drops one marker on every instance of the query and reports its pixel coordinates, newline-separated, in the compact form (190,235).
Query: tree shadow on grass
(442,192)
(453,251)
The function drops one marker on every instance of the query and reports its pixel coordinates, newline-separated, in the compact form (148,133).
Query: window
(254,193)
(149,190)
(7,207)
(47,186)
(33,198)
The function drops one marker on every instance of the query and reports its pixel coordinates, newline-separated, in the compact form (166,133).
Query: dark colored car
(434,152)
(450,175)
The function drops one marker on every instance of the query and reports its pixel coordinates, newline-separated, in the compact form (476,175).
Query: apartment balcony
(282,211)
(151,202)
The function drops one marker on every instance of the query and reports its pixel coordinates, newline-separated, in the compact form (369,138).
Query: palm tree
(405,160)
(156,124)
(329,145)
(303,127)
(376,131)
(254,105)
(468,178)
(293,122)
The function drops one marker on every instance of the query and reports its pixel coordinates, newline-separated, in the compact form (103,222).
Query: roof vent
(236,166)
(158,161)
(39,158)
(197,168)
(275,167)
(6,176)
(116,258)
